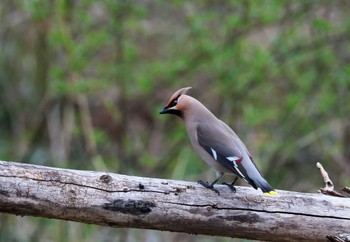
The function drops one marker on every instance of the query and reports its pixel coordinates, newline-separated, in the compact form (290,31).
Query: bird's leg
(231,185)
(211,185)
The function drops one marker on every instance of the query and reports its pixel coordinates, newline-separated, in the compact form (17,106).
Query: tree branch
(137,202)
(329,187)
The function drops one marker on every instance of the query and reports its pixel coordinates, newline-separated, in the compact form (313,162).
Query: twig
(329,184)
(339,238)
(347,190)
(329,187)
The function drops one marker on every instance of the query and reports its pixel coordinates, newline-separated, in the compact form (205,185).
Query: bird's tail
(265,187)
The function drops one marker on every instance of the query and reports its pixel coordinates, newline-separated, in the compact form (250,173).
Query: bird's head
(177,103)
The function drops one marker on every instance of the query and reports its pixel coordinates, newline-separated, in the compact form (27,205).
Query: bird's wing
(220,145)
(235,138)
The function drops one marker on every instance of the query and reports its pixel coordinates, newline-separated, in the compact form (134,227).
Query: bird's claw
(209,186)
(231,186)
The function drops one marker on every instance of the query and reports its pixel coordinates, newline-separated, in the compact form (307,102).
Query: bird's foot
(209,186)
(231,186)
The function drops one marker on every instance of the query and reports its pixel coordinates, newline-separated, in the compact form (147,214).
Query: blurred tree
(81,83)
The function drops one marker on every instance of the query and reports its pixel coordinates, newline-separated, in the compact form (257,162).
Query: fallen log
(116,200)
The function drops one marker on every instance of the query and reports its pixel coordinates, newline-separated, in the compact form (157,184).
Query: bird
(216,143)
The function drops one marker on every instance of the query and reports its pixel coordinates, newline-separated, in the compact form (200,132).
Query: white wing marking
(214,153)
(233,159)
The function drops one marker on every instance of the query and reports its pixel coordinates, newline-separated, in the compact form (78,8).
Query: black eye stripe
(174,102)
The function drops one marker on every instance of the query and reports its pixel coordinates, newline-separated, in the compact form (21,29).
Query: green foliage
(276,71)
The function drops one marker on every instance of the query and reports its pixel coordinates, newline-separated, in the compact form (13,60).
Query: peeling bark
(137,202)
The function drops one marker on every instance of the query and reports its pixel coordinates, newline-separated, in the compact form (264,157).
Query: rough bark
(137,202)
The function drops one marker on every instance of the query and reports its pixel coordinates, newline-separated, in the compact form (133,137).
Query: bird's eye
(173,103)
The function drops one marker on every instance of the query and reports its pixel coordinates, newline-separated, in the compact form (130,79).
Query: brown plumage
(215,142)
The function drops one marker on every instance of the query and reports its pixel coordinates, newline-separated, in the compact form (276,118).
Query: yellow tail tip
(271,193)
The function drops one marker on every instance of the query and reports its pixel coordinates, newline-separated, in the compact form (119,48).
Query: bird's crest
(178,93)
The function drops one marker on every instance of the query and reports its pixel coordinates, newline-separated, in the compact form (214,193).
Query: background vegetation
(82,82)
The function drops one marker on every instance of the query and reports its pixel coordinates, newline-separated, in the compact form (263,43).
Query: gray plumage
(215,142)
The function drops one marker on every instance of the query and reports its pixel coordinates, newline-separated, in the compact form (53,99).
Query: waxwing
(216,143)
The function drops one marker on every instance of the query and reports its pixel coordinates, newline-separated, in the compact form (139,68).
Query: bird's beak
(165,110)
(172,110)
(168,110)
